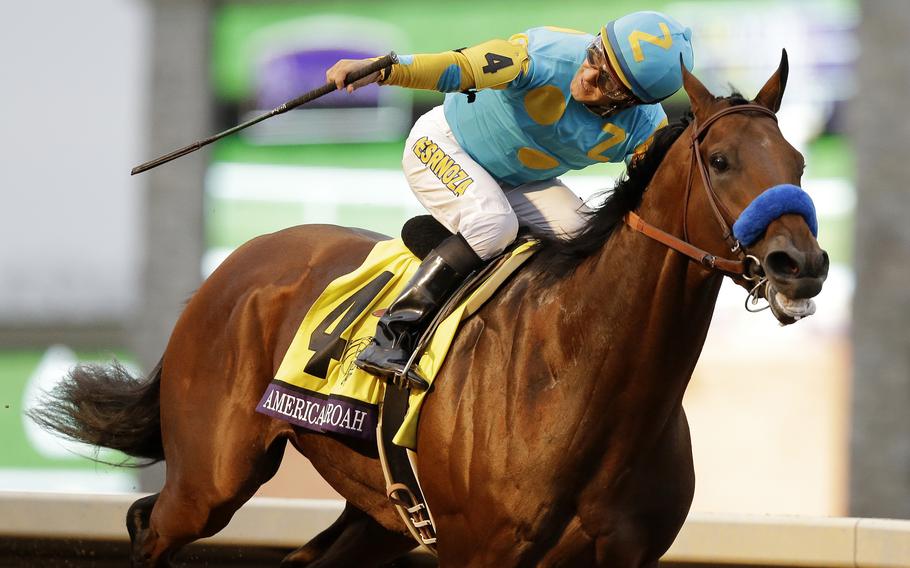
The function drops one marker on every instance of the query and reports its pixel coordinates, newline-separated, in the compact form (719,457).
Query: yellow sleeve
(493,63)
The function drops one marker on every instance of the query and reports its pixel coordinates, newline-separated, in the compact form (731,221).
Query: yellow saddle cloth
(317,385)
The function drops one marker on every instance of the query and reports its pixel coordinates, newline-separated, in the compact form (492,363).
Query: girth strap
(402,486)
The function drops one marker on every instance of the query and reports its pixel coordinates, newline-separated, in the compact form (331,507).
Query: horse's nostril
(781,263)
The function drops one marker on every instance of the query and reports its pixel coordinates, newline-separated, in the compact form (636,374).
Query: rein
(747,266)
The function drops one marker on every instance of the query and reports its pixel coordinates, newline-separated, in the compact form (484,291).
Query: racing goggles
(607,81)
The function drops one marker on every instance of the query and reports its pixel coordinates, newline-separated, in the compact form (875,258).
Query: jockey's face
(596,84)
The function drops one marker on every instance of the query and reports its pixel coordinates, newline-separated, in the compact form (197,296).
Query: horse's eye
(719,162)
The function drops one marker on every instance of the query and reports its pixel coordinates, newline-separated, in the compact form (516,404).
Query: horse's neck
(661,309)
(646,309)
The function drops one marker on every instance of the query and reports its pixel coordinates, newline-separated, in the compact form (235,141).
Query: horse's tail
(103,405)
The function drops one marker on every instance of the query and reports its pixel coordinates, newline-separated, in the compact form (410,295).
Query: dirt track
(79,553)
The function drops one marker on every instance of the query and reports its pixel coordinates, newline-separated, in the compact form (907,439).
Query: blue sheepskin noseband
(771,204)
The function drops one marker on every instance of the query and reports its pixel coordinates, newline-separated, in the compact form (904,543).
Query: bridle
(747,267)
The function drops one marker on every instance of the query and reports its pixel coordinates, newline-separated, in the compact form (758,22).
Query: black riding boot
(402,324)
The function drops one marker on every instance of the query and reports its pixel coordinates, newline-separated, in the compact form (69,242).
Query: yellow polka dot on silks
(536,160)
(545,104)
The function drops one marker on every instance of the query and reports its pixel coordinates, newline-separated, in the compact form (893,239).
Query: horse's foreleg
(355,539)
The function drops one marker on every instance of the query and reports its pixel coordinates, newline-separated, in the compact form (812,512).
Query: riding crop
(381,63)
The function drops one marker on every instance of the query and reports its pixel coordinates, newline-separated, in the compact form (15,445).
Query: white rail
(705,539)
(792,541)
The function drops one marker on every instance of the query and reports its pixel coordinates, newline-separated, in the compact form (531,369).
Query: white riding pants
(466,199)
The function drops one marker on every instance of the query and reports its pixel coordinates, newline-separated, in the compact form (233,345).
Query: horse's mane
(559,258)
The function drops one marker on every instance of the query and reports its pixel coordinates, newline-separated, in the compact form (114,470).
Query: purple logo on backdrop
(288,58)
(287,75)
(317,412)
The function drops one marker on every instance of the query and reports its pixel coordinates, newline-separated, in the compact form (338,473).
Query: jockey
(517,114)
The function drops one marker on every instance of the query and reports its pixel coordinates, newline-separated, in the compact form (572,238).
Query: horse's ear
(772,93)
(700,98)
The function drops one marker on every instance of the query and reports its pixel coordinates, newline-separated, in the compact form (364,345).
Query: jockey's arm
(491,64)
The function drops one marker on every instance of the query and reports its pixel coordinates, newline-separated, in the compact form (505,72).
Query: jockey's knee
(492,234)
(572,224)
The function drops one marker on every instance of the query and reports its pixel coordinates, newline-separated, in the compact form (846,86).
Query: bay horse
(556,434)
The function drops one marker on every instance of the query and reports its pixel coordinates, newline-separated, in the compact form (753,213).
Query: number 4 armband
(495,62)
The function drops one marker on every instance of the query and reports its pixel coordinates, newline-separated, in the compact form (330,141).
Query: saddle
(422,234)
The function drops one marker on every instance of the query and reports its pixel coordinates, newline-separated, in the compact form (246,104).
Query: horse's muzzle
(794,273)
(794,277)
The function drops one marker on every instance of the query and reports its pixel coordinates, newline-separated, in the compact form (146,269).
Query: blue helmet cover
(645,49)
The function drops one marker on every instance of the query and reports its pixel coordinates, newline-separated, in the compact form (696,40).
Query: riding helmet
(644,49)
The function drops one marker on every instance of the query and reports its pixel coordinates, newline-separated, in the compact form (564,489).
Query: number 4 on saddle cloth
(317,385)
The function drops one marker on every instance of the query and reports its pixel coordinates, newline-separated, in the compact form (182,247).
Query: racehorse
(555,435)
